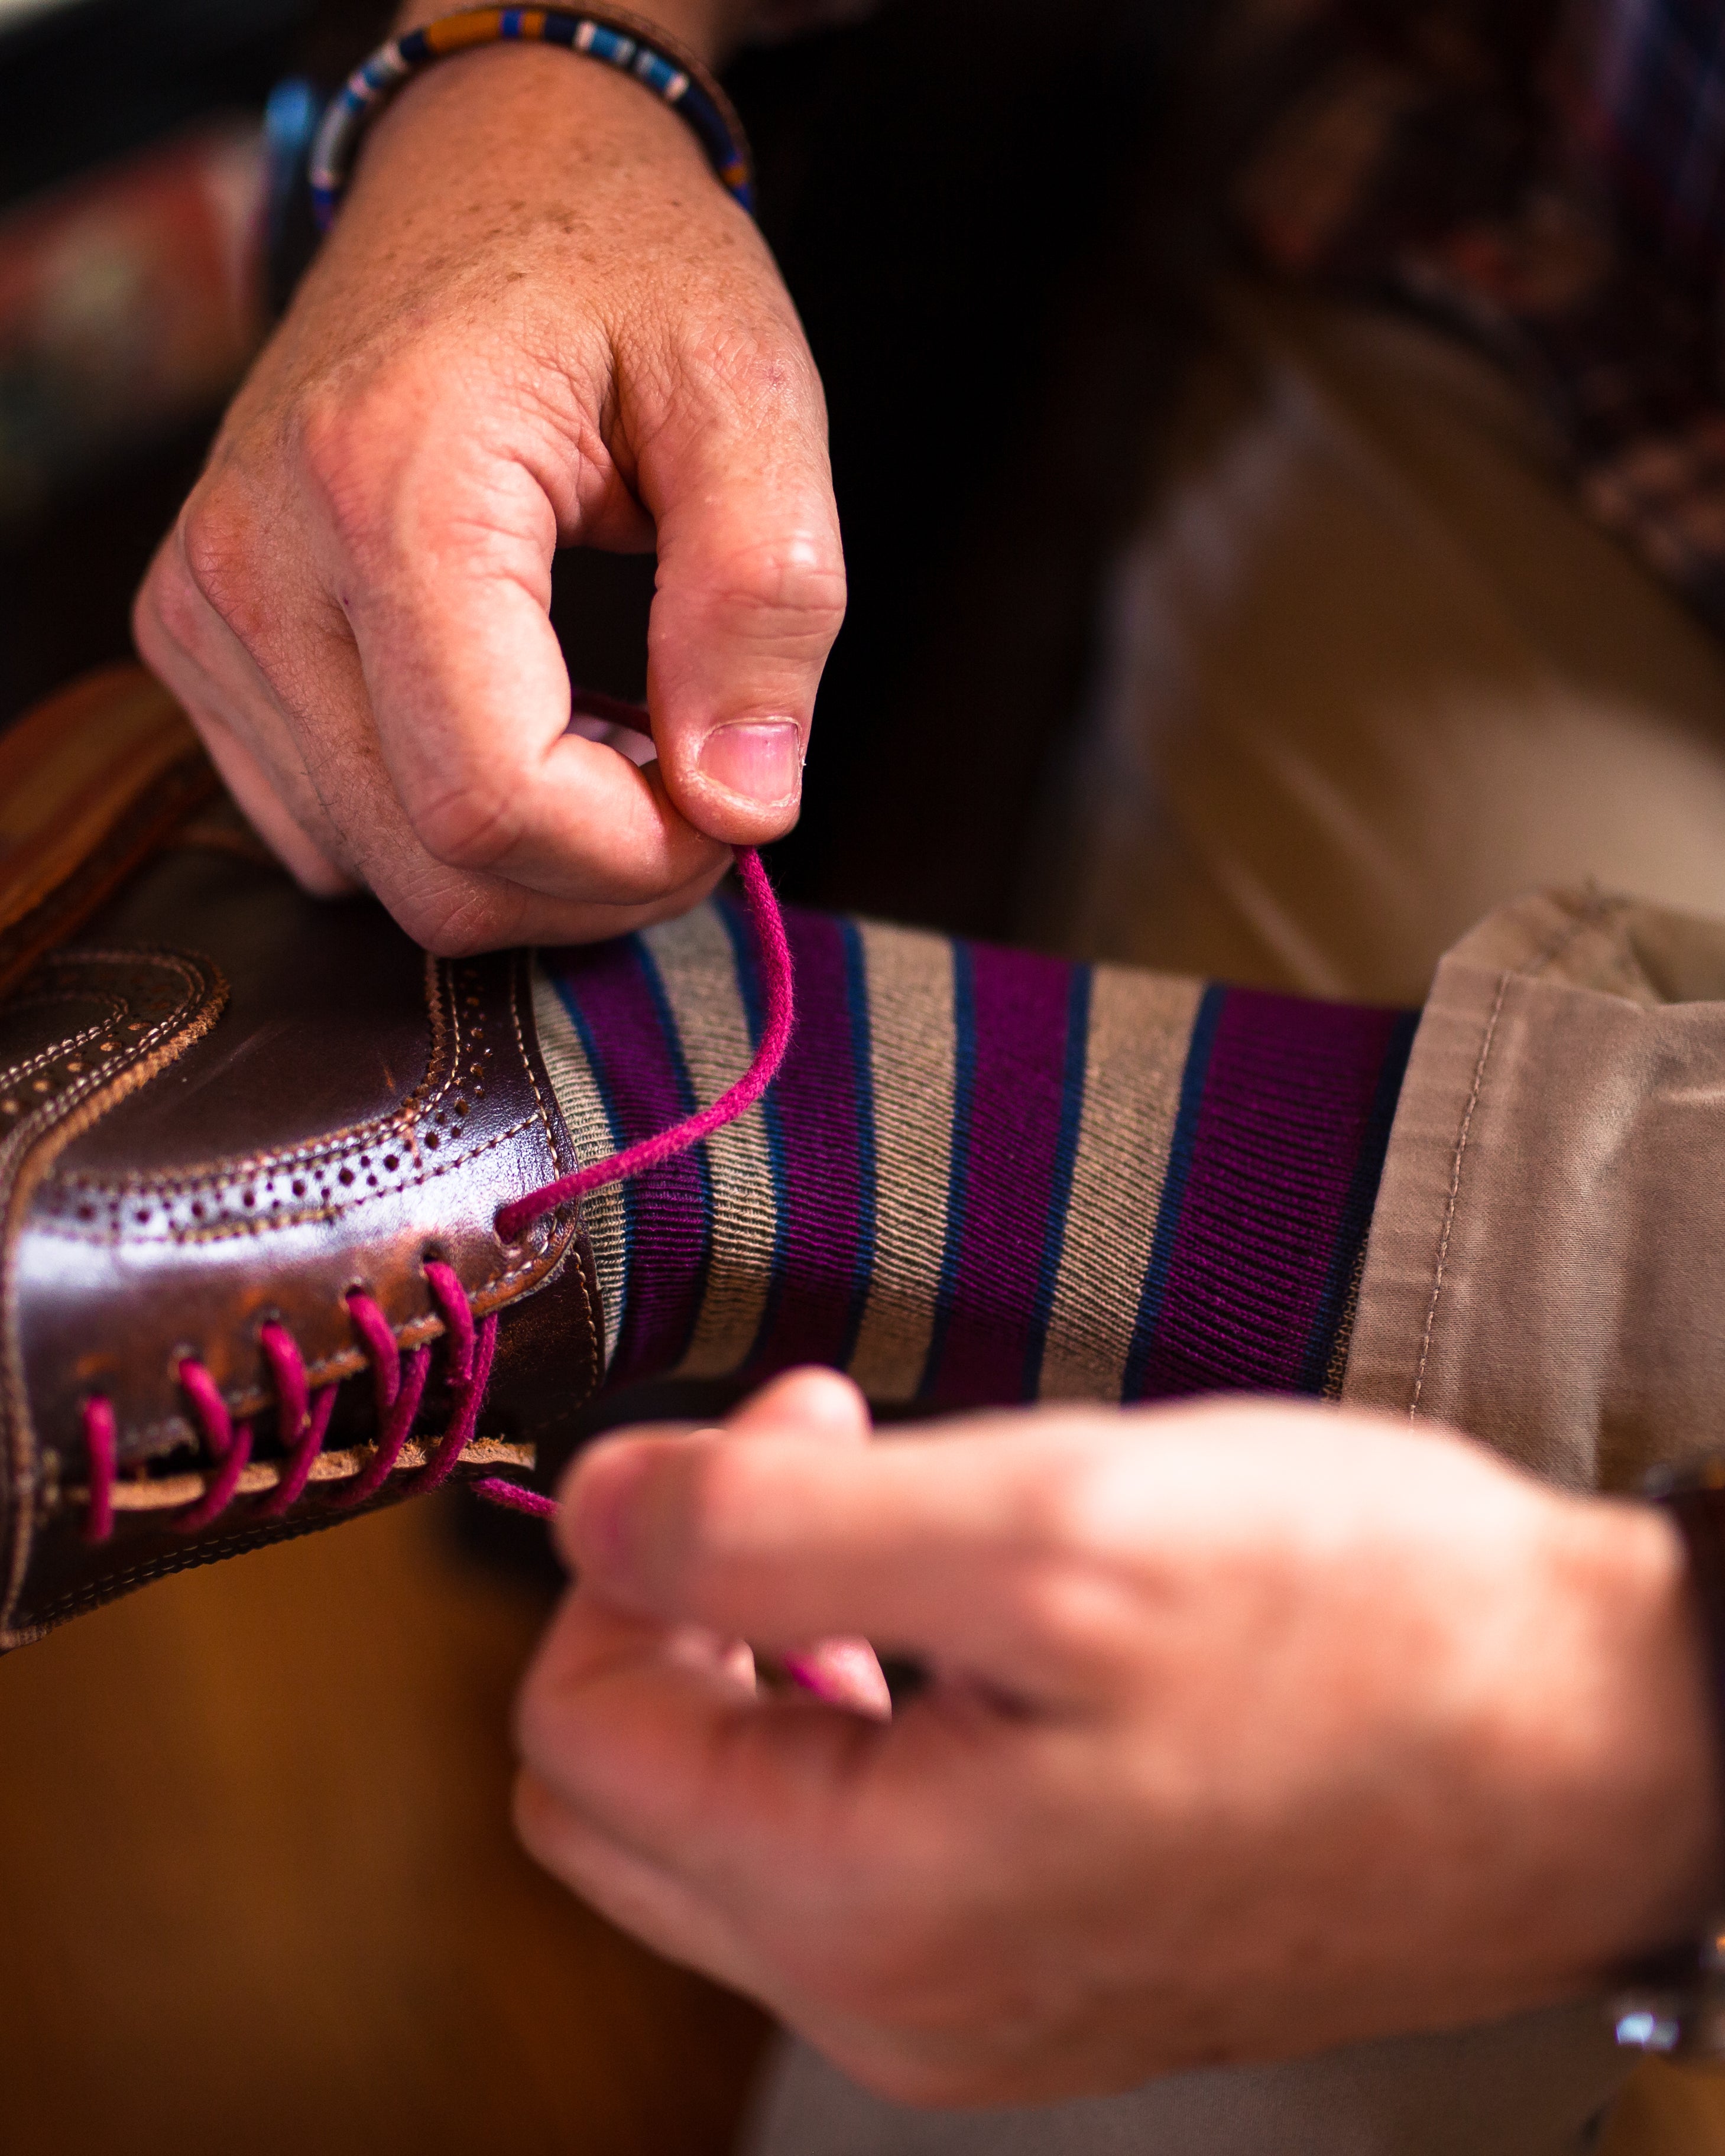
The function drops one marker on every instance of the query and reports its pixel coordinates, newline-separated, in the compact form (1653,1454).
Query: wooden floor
(257,1892)
(1667,2112)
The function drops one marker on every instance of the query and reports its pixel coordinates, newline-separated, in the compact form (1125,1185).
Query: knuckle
(168,610)
(1065,1609)
(466,825)
(798,576)
(218,544)
(1066,1531)
(763,367)
(1051,1509)
(453,919)
(347,443)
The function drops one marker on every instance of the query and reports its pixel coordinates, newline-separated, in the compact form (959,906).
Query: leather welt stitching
(112,1585)
(521,1044)
(278,1218)
(196,975)
(28,1064)
(443,1069)
(214,1182)
(199,982)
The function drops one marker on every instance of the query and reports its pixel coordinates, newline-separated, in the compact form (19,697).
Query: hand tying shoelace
(400,1377)
(975,1176)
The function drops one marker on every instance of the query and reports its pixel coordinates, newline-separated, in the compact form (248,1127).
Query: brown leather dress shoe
(252,1149)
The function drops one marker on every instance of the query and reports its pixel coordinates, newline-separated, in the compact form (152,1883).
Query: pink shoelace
(398,1375)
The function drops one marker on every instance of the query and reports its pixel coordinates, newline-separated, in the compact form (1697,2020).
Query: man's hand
(1249,1730)
(539,321)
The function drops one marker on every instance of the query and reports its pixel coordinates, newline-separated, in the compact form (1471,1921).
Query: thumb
(751,594)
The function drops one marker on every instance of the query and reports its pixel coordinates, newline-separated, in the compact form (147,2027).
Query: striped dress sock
(982,1176)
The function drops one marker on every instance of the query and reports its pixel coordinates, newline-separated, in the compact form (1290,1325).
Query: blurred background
(131,175)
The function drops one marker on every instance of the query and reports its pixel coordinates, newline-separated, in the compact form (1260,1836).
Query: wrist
(505,139)
(534,125)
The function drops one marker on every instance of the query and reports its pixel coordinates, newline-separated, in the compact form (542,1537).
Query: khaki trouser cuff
(1547,1263)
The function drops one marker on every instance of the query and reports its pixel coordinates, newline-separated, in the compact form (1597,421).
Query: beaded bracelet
(621,41)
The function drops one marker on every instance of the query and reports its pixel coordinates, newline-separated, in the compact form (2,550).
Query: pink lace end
(775,950)
(99,1452)
(513,1497)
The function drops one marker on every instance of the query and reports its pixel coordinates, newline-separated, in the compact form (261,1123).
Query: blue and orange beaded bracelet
(620,41)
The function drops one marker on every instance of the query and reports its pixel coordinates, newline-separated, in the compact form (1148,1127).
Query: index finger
(438,551)
(922,1546)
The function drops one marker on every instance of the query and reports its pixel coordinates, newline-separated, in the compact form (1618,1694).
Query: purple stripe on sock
(1011,1136)
(809,1315)
(646,1088)
(1287,1106)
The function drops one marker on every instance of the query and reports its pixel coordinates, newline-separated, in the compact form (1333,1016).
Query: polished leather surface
(224,1104)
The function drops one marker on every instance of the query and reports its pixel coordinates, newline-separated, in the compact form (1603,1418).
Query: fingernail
(843,1673)
(759,760)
